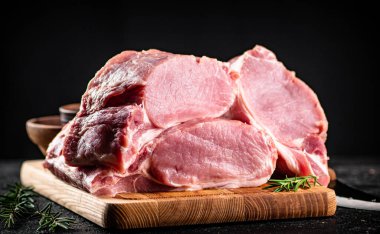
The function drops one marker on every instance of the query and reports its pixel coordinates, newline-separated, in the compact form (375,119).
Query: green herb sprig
(18,203)
(50,221)
(292,183)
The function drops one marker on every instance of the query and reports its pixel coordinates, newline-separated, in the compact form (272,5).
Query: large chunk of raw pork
(156,121)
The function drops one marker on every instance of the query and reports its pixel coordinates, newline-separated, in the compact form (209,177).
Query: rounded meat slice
(212,153)
(278,100)
(184,88)
(273,98)
(172,88)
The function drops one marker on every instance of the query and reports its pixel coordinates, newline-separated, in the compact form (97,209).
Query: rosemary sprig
(50,221)
(16,204)
(292,183)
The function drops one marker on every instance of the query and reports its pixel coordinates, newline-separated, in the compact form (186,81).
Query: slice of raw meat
(198,154)
(213,153)
(271,96)
(172,88)
(110,137)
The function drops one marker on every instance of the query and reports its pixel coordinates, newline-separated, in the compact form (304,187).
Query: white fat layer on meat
(291,162)
(148,136)
(298,142)
(237,64)
(316,160)
(237,183)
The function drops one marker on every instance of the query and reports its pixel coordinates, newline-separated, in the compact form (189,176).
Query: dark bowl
(68,112)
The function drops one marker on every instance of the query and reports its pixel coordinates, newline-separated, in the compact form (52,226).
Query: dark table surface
(362,172)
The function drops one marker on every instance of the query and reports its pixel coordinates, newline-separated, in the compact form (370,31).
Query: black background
(50,51)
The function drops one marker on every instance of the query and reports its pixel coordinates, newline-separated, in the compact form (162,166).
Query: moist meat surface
(272,97)
(195,155)
(156,121)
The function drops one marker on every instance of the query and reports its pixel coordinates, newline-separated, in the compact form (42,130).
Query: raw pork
(196,155)
(272,97)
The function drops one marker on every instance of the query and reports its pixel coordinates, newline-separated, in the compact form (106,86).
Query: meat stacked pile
(156,121)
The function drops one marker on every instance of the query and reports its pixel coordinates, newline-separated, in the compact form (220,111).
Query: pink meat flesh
(195,155)
(110,137)
(273,98)
(102,181)
(173,88)
(169,88)
(185,87)
(155,121)
(121,80)
(213,153)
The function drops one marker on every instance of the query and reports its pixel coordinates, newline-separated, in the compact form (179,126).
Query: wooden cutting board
(142,210)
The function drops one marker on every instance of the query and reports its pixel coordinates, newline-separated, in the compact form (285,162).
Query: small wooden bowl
(42,130)
(68,112)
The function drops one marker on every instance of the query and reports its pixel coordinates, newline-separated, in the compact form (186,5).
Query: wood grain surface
(142,210)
